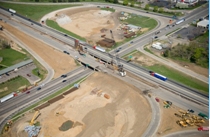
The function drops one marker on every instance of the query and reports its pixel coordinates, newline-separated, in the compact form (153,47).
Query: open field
(142,21)
(9,60)
(35,12)
(151,64)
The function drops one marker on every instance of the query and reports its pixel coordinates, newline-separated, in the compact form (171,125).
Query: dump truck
(203,128)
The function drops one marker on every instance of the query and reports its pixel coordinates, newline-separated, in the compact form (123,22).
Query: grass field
(179,77)
(55,25)
(142,21)
(11,57)
(35,12)
(173,74)
(13,85)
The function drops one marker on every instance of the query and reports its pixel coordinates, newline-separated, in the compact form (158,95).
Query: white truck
(12,11)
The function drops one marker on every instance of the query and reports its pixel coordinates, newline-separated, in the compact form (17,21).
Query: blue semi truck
(158,76)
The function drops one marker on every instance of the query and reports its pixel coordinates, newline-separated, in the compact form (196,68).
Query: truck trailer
(12,11)
(7,97)
(158,76)
(100,49)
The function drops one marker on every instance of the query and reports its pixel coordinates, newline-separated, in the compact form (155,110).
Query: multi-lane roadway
(181,90)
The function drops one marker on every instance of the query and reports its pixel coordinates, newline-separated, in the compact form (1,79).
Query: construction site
(102,105)
(101,27)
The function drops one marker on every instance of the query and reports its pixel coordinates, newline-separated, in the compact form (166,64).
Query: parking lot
(25,71)
(189,33)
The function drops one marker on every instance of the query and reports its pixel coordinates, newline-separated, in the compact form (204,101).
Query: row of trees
(192,52)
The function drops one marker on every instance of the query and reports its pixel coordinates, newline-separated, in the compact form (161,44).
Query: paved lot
(23,71)
(189,33)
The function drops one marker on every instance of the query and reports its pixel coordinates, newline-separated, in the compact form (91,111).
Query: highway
(49,88)
(106,57)
(179,89)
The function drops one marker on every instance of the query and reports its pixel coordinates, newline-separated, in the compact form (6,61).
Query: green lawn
(179,77)
(13,85)
(35,12)
(203,38)
(11,57)
(55,25)
(142,21)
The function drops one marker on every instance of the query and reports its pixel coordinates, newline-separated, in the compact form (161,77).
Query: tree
(147,7)
(161,10)
(132,3)
(125,2)
(166,53)
(155,9)
(116,1)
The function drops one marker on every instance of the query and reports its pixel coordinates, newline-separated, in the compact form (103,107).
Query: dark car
(27,92)
(64,80)
(39,88)
(190,110)
(7,74)
(167,25)
(66,52)
(173,25)
(151,71)
(28,75)
(156,37)
(63,76)
(117,50)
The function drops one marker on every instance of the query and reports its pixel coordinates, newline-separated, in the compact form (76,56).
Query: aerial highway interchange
(195,100)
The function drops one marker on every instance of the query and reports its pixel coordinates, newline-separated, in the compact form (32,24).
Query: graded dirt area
(168,120)
(125,113)
(88,23)
(61,63)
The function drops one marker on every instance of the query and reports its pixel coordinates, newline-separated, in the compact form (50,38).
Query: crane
(36,114)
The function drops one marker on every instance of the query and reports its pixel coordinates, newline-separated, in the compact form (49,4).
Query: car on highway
(157,32)
(64,80)
(190,110)
(155,37)
(63,76)
(39,88)
(118,50)
(27,92)
(173,25)
(66,52)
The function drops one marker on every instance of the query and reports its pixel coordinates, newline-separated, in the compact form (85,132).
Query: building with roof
(15,67)
(204,23)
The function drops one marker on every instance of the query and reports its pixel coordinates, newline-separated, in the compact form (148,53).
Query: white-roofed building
(204,23)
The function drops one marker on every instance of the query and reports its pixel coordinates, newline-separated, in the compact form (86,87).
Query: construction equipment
(79,48)
(36,114)
(177,115)
(181,123)
(118,67)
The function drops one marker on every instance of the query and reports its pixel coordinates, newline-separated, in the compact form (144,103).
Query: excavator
(36,114)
